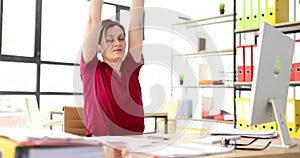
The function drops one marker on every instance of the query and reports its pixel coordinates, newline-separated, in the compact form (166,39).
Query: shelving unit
(286,28)
(226,18)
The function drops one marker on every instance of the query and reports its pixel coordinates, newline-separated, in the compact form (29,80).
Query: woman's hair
(105,24)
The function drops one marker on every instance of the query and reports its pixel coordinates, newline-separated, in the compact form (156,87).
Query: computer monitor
(271,80)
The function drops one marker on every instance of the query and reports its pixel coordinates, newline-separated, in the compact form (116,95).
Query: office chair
(36,119)
(73,120)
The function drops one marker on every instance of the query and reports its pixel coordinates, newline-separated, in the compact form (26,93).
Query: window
(109,12)
(18,30)
(58,78)
(63,31)
(40,49)
(17,76)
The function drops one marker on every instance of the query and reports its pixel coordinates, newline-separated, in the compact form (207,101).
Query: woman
(112,93)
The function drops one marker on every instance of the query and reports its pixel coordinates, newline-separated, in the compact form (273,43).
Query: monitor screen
(271,78)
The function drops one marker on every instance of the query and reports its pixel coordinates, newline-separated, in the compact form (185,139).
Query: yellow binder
(292,115)
(269,126)
(297,134)
(8,147)
(277,11)
(248,14)
(242,106)
(255,13)
(239,108)
(257,127)
(292,129)
(242,124)
(292,111)
(240,14)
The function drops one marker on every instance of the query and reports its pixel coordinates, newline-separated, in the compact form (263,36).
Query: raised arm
(135,36)
(92,30)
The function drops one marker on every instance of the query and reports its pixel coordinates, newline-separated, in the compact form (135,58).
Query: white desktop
(271,80)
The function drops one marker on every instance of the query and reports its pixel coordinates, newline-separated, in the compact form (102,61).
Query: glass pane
(58,78)
(13,113)
(63,31)
(12,103)
(17,76)
(125,19)
(18,28)
(108,12)
(56,102)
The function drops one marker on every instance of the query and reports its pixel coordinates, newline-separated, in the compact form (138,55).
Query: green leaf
(222,5)
(181,76)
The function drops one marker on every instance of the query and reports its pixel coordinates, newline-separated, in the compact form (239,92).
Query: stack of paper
(27,143)
(162,147)
(130,143)
(246,133)
(214,139)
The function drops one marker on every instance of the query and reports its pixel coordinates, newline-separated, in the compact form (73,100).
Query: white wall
(162,39)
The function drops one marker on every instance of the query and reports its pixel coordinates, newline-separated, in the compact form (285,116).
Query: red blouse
(113,103)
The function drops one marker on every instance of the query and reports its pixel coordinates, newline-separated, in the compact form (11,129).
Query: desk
(163,115)
(55,111)
(270,152)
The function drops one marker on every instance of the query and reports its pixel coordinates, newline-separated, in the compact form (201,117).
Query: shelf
(205,86)
(209,21)
(288,27)
(242,83)
(228,51)
(292,83)
(205,120)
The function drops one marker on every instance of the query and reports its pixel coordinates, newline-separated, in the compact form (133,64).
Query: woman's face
(113,44)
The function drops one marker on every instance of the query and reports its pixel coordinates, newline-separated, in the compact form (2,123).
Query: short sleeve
(130,63)
(87,68)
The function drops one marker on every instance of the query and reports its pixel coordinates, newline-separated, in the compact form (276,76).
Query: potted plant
(222,8)
(181,77)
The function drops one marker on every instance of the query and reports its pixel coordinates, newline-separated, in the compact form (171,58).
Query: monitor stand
(282,127)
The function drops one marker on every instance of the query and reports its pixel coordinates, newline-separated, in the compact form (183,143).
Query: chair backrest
(33,111)
(171,107)
(73,120)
